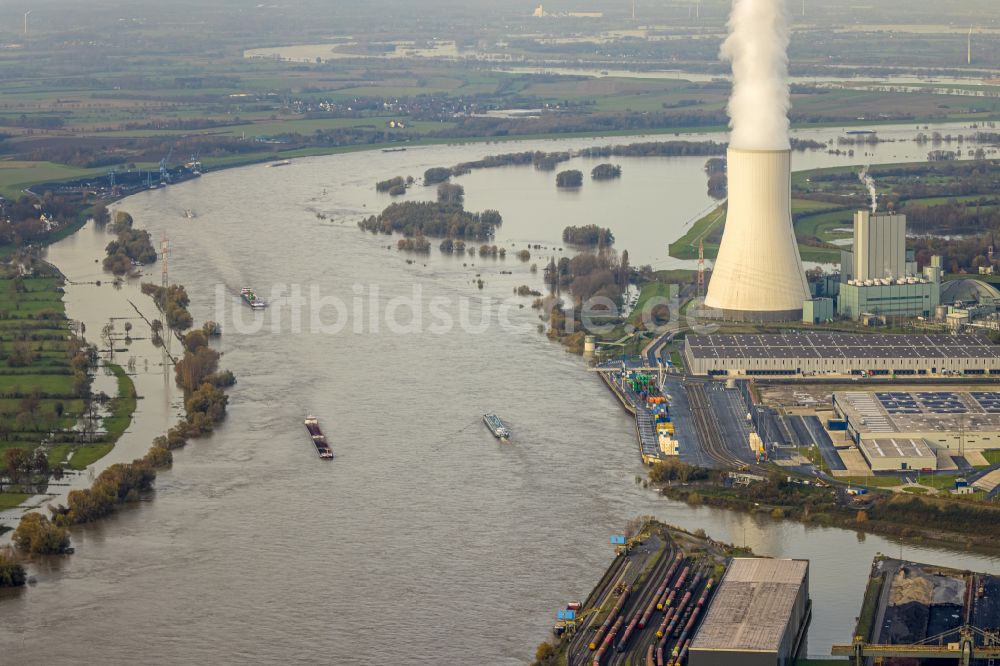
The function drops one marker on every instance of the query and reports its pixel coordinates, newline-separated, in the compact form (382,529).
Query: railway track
(710,434)
(597,598)
(640,602)
(648,636)
(708,428)
(667,597)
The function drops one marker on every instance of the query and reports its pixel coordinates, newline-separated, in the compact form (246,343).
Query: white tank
(758,273)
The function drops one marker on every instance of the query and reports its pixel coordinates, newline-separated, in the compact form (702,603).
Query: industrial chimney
(758,273)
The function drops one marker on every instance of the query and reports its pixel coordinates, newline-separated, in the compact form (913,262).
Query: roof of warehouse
(897,448)
(841,346)
(753,605)
(886,413)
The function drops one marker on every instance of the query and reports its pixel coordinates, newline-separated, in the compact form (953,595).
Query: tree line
(589,235)
(433,219)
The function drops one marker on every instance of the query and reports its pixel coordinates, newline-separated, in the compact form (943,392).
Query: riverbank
(512,535)
(657,570)
(120,321)
(917,520)
(52,410)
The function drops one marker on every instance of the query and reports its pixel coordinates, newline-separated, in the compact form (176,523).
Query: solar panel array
(841,346)
(988,400)
(923,402)
(881,412)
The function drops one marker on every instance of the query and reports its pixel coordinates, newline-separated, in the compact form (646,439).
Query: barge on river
(318,438)
(496,426)
(252,299)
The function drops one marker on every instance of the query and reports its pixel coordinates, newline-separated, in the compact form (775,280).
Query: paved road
(824,443)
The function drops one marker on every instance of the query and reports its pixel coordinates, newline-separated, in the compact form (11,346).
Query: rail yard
(648,605)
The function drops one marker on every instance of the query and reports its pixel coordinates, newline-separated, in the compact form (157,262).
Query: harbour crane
(965,651)
(164,173)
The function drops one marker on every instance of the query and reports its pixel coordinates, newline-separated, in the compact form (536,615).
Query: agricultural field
(44,393)
(920,190)
(159,90)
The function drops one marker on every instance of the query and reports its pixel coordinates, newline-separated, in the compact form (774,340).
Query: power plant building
(879,246)
(876,276)
(758,274)
(758,616)
(840,354)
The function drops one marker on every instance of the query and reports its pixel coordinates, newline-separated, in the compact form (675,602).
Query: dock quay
(649,604)
(921,611)
(640,395)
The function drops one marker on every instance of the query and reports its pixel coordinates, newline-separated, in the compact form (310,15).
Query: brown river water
(425,541)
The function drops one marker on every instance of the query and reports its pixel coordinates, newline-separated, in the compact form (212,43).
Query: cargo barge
(252,299)
(496,426)
(318,438)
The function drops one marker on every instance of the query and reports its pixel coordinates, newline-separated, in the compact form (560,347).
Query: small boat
(394,150)
(189,214)
(496,426)
(253,300)
(318,438)
(281,163)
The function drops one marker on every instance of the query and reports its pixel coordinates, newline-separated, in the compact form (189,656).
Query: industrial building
(817,310)
(758,616)
(895,454)
(879,277)
(955,420)
(758,274)
(840,354)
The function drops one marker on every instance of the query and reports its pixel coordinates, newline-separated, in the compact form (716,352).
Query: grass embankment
(10,500)
(815,457)
(930,519)
(41,395)
(992,457)
(868,607)
(812,219)
(645,304)
(872,481)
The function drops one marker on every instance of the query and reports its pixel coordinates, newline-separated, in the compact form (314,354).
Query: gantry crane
(965,650)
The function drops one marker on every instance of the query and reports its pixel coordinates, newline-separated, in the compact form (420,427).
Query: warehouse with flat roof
(758,616)
(896,453)
(944,419)
(841,354)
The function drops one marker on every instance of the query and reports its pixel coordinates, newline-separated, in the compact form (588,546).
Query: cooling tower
(758,273)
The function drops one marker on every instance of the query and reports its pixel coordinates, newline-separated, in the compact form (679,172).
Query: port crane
(164,173)
(965,651)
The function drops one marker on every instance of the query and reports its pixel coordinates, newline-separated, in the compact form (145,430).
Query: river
(425,541)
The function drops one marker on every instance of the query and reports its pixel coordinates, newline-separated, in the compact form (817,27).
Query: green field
(16,175)
(39,403)
(992,456)
(708,230)
(872,481)
(650,290)
(11,500)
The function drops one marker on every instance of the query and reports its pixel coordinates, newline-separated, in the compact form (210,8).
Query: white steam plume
(870,184)
(757,46)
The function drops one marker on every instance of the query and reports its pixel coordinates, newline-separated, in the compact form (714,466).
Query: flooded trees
(571,178)
(38,535)
(12,573)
